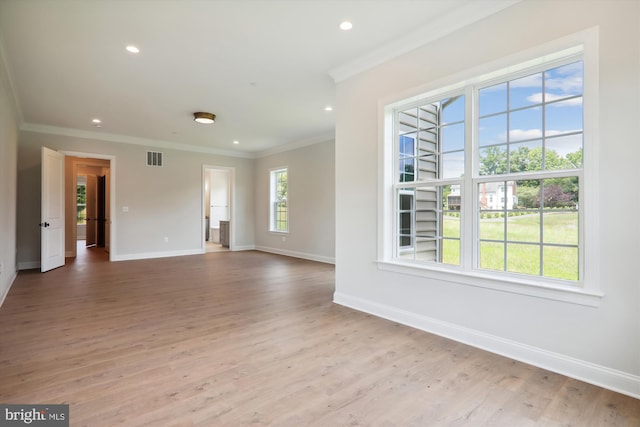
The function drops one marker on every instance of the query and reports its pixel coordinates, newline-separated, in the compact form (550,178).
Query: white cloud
(525,134)
(549,97)
(520,134)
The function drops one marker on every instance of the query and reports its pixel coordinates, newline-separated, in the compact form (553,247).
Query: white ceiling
(265,68)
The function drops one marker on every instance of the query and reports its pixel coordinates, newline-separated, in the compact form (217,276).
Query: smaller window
(81,200)
(279,208)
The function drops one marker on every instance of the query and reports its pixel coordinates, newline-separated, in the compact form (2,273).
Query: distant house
(492,196)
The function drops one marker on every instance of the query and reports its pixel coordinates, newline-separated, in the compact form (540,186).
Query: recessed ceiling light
(236,142)
(328,108)
(131,48)
(96,121)
(346,26)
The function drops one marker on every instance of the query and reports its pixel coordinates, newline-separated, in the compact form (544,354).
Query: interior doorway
(88,218)
(217,208)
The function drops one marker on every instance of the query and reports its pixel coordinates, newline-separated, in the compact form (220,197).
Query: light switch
(125,209)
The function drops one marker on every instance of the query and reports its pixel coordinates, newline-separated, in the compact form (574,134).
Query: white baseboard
(601,376)
(29,265)
(295,254)
(243,248)
(9,285)
(149,255)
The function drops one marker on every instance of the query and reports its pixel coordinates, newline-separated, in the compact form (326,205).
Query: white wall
(598,344)
(8,185)
(311,197)
(163,201)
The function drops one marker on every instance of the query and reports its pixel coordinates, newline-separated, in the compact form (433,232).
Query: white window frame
(273,200)
(586,291)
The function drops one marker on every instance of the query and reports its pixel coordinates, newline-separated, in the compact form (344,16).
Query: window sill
(512,284)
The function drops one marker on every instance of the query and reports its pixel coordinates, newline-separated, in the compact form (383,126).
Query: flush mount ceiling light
(204,118)
(132,49)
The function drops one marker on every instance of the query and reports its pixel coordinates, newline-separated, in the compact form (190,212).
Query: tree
(555,197)
(493,161)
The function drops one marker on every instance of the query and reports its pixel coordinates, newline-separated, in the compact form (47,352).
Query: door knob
(44,224)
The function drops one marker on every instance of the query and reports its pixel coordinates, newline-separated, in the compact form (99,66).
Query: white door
(52,197)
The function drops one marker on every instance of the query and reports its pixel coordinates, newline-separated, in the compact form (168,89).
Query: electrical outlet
(166,240)
(284,238)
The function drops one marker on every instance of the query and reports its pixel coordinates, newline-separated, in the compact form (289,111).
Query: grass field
(525,245)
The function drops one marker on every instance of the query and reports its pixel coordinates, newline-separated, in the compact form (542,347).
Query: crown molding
(326,137)
(125,139)
(439,27)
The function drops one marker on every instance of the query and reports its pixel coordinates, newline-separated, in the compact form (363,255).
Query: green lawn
(523,244)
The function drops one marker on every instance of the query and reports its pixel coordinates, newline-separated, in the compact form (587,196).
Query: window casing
(503,159)
(279,208)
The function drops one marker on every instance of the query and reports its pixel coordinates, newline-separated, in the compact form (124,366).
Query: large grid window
(503,155)
(278,200)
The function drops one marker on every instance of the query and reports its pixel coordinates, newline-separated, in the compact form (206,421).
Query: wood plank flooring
(253,339)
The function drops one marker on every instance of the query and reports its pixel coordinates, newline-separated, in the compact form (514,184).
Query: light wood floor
(252,339)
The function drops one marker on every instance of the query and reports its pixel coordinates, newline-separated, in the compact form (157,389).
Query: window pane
(493,130)
(427,228)
(408,121)
(427,167)
(451,226)
(525,124)
(405,218)
(560,227)
(528,195)
(406,144)
(523,228)
(406,169)
(453,165)
(453,137)
(493,99)
(492,256)
(568,149)
(525,91)
(281,216)
(560,262)
(429,116)
(451,251)
(453,109)
(563,117)
(523,259)
(564,81)
(493,160)
(426,249)
(525,156)
(427,143)
(560,193)
(491,226)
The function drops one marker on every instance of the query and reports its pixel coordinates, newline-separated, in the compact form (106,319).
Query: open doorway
(88,208)
(218,208)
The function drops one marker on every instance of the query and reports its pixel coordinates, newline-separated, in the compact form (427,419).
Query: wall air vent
(154,158)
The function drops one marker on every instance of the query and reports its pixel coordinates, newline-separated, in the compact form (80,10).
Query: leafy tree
(493,161)
(527,195)
(555,197)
